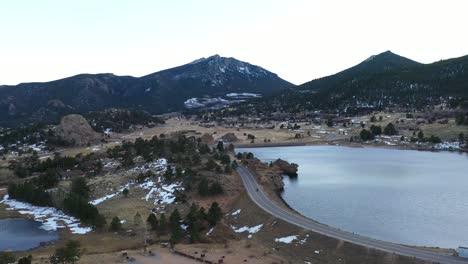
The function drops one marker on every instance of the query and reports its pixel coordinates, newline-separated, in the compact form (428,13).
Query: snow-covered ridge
(51,218)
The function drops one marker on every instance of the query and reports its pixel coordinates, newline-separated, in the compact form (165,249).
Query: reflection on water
(403,196)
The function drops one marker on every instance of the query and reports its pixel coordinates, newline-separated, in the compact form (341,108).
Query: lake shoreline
(346,144)
(445,250)
(47,237)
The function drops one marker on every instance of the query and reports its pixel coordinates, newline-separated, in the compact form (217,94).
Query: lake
(403,196)
(22,234)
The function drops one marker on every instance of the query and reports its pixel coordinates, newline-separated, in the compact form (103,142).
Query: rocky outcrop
(287,168)
(266,175)
(75,130)
(277,180)
(229,138)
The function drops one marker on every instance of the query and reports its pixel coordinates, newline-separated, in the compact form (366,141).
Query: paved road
(260,198)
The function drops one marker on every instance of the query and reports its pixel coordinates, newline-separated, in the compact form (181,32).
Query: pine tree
(216,189)
(162,224)
(137,220)
(179,172)
(390,130)
(366,135)
(115,224)
(228,169)
(202,214)
(168,175)
(80,187)
(153,222)
(203,188)
(193,223)
(231,147)
(220,146)
(177,233)
(420,135)
(214,214)
(376,130)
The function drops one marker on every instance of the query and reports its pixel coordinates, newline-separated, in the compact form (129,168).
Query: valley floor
(251,235)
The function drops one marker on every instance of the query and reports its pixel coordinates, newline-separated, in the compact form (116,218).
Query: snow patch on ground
(159,165)
(448,145)
(236,212)
(107,197)
(160,192)
(112,164)
(51,218)
(250,230)
(286,240)
(210,231)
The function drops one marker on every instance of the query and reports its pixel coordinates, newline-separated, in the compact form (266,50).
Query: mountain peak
(203,59)
(216,56)
(387,60)
(384,54)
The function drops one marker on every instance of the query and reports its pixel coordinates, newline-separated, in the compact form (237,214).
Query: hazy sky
(298,39)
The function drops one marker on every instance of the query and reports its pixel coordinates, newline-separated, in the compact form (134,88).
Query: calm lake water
(402,196)
(22,234)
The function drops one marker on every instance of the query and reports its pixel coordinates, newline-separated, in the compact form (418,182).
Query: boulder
(286,167)
(229,137)
(76,130)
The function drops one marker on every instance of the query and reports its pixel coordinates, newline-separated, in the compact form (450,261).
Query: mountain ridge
(383,81)
(156,93)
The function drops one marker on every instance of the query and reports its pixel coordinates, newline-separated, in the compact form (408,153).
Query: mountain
(375,64)
(156,93)
(381,81)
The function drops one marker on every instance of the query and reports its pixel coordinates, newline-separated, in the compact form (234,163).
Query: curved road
(260,198)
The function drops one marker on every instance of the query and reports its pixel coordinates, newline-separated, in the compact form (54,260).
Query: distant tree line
(420,137)
(374,130)
(119,120)
(29,193)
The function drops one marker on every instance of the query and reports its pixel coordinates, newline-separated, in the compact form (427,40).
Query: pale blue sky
(298,39)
